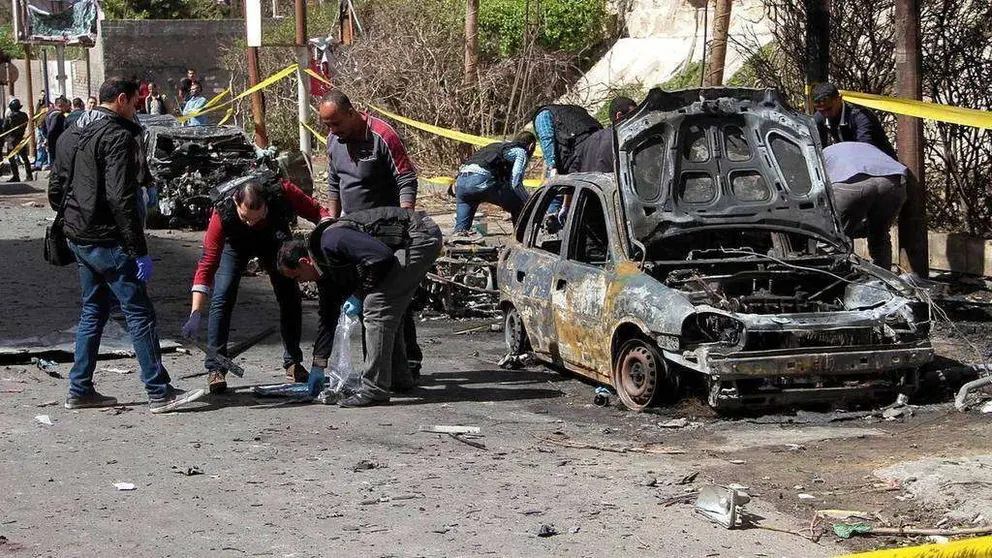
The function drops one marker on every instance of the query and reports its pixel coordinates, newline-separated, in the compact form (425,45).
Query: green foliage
(688,78)
(564,25)
(748,74)
(7,44)
(164,9)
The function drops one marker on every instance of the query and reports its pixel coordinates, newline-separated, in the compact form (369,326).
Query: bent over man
(494,174)
(250,219)
(380,255)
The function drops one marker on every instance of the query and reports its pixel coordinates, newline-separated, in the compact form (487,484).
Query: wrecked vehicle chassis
(756,294)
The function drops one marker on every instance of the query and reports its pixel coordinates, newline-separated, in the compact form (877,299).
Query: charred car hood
(718,157)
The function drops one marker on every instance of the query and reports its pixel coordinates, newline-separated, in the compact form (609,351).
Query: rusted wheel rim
(513,330)
(639,375)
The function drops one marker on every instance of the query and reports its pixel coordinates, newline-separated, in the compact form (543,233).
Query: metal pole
(817,46)
(89,73)
(471,39)
(44,76)
(60,63)
(302,79)
(30,101)
(718,46)
(913,243)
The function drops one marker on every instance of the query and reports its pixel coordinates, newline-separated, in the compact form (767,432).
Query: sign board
(8,73)
(253,21)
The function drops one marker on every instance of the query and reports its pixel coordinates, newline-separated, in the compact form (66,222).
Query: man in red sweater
(250,219)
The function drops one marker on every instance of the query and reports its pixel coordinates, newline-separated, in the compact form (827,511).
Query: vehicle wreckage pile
(462,283)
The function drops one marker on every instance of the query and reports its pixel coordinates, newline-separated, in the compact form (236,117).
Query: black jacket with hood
(100,155)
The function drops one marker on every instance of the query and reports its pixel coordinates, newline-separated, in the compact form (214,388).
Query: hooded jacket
(98,160)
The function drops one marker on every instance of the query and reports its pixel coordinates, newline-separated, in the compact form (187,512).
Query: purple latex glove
(144,268)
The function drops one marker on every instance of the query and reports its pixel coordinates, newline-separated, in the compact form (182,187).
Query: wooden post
(257,108)
(913,247)
(471,40)
(345,23)
(718,45)
(817,46)
(30,101)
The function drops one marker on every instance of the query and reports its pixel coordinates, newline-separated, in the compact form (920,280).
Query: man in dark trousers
(380,255)
(494,174)
(869,189)
(15,127)
(838,120)
(250,219)
(55,125)
(368,167)
(97,170)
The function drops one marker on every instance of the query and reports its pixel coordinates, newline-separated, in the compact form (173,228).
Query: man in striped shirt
(368,167)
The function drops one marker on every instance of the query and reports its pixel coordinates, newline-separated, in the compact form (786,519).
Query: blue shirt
(849,159)
(192,105)
(545,130)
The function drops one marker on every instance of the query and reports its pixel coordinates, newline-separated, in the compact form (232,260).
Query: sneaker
(174,400)
(216,382)
(296,374)
(89,401)
(362,399)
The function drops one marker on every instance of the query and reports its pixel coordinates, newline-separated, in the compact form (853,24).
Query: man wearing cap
(839,121)
(15,126)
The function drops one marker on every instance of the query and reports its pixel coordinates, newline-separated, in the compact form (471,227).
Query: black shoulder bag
(57,250)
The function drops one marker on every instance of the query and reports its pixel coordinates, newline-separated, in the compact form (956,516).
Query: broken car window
(550,218)
(697,187)
(792,163)
(648,166)
(590,237)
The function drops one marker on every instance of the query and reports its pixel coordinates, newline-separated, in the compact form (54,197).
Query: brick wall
(162,50)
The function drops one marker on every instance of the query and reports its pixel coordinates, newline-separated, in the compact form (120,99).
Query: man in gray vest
(380,255)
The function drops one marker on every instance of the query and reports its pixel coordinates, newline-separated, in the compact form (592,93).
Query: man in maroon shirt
(250,219)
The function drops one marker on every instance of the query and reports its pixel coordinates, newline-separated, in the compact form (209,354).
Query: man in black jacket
(595,153)
(96,171)
(838,121)
(381,255)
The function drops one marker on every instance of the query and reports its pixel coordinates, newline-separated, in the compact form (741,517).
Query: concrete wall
(162,50)
(75,71)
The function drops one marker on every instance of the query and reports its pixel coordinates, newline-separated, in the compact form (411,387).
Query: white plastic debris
(987,408)
(804,496)
(123,486)
(44,419)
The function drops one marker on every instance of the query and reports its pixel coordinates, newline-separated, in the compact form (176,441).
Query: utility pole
(471,40)
(257,104)
(30,101)
(44,76)
(913,241)
(302,79)
(718,46)
(817,46)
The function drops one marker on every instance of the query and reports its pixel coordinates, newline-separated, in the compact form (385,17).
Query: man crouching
(380,255)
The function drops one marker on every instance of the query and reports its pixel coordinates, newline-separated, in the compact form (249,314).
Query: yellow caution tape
(971,548)
(230,111)
(478,141)
(16,150)
(321,138)
(922,109)
(15,128)
(216,99)
(281,74)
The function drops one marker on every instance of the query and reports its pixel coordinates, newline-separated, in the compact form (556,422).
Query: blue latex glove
(144,268)
(152,197)
(315,381)
(191,329)
(352,307)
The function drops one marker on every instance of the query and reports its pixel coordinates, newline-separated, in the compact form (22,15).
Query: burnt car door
(530,269)
(580,284)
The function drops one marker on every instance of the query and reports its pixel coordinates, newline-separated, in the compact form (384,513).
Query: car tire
(641,376)
(517,342)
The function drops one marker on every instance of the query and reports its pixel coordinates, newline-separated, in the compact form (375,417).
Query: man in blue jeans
(97,171)
(494,174)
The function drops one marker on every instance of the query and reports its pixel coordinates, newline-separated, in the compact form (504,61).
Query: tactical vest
(491,158)
(390,225)
(278,219)
(572,124)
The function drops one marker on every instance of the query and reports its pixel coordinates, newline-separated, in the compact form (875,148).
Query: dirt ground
(241,476)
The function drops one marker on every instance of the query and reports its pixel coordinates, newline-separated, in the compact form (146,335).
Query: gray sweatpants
(867,207)
(385,358)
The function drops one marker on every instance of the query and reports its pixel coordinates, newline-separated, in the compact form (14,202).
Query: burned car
(713,254)
(186,162)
